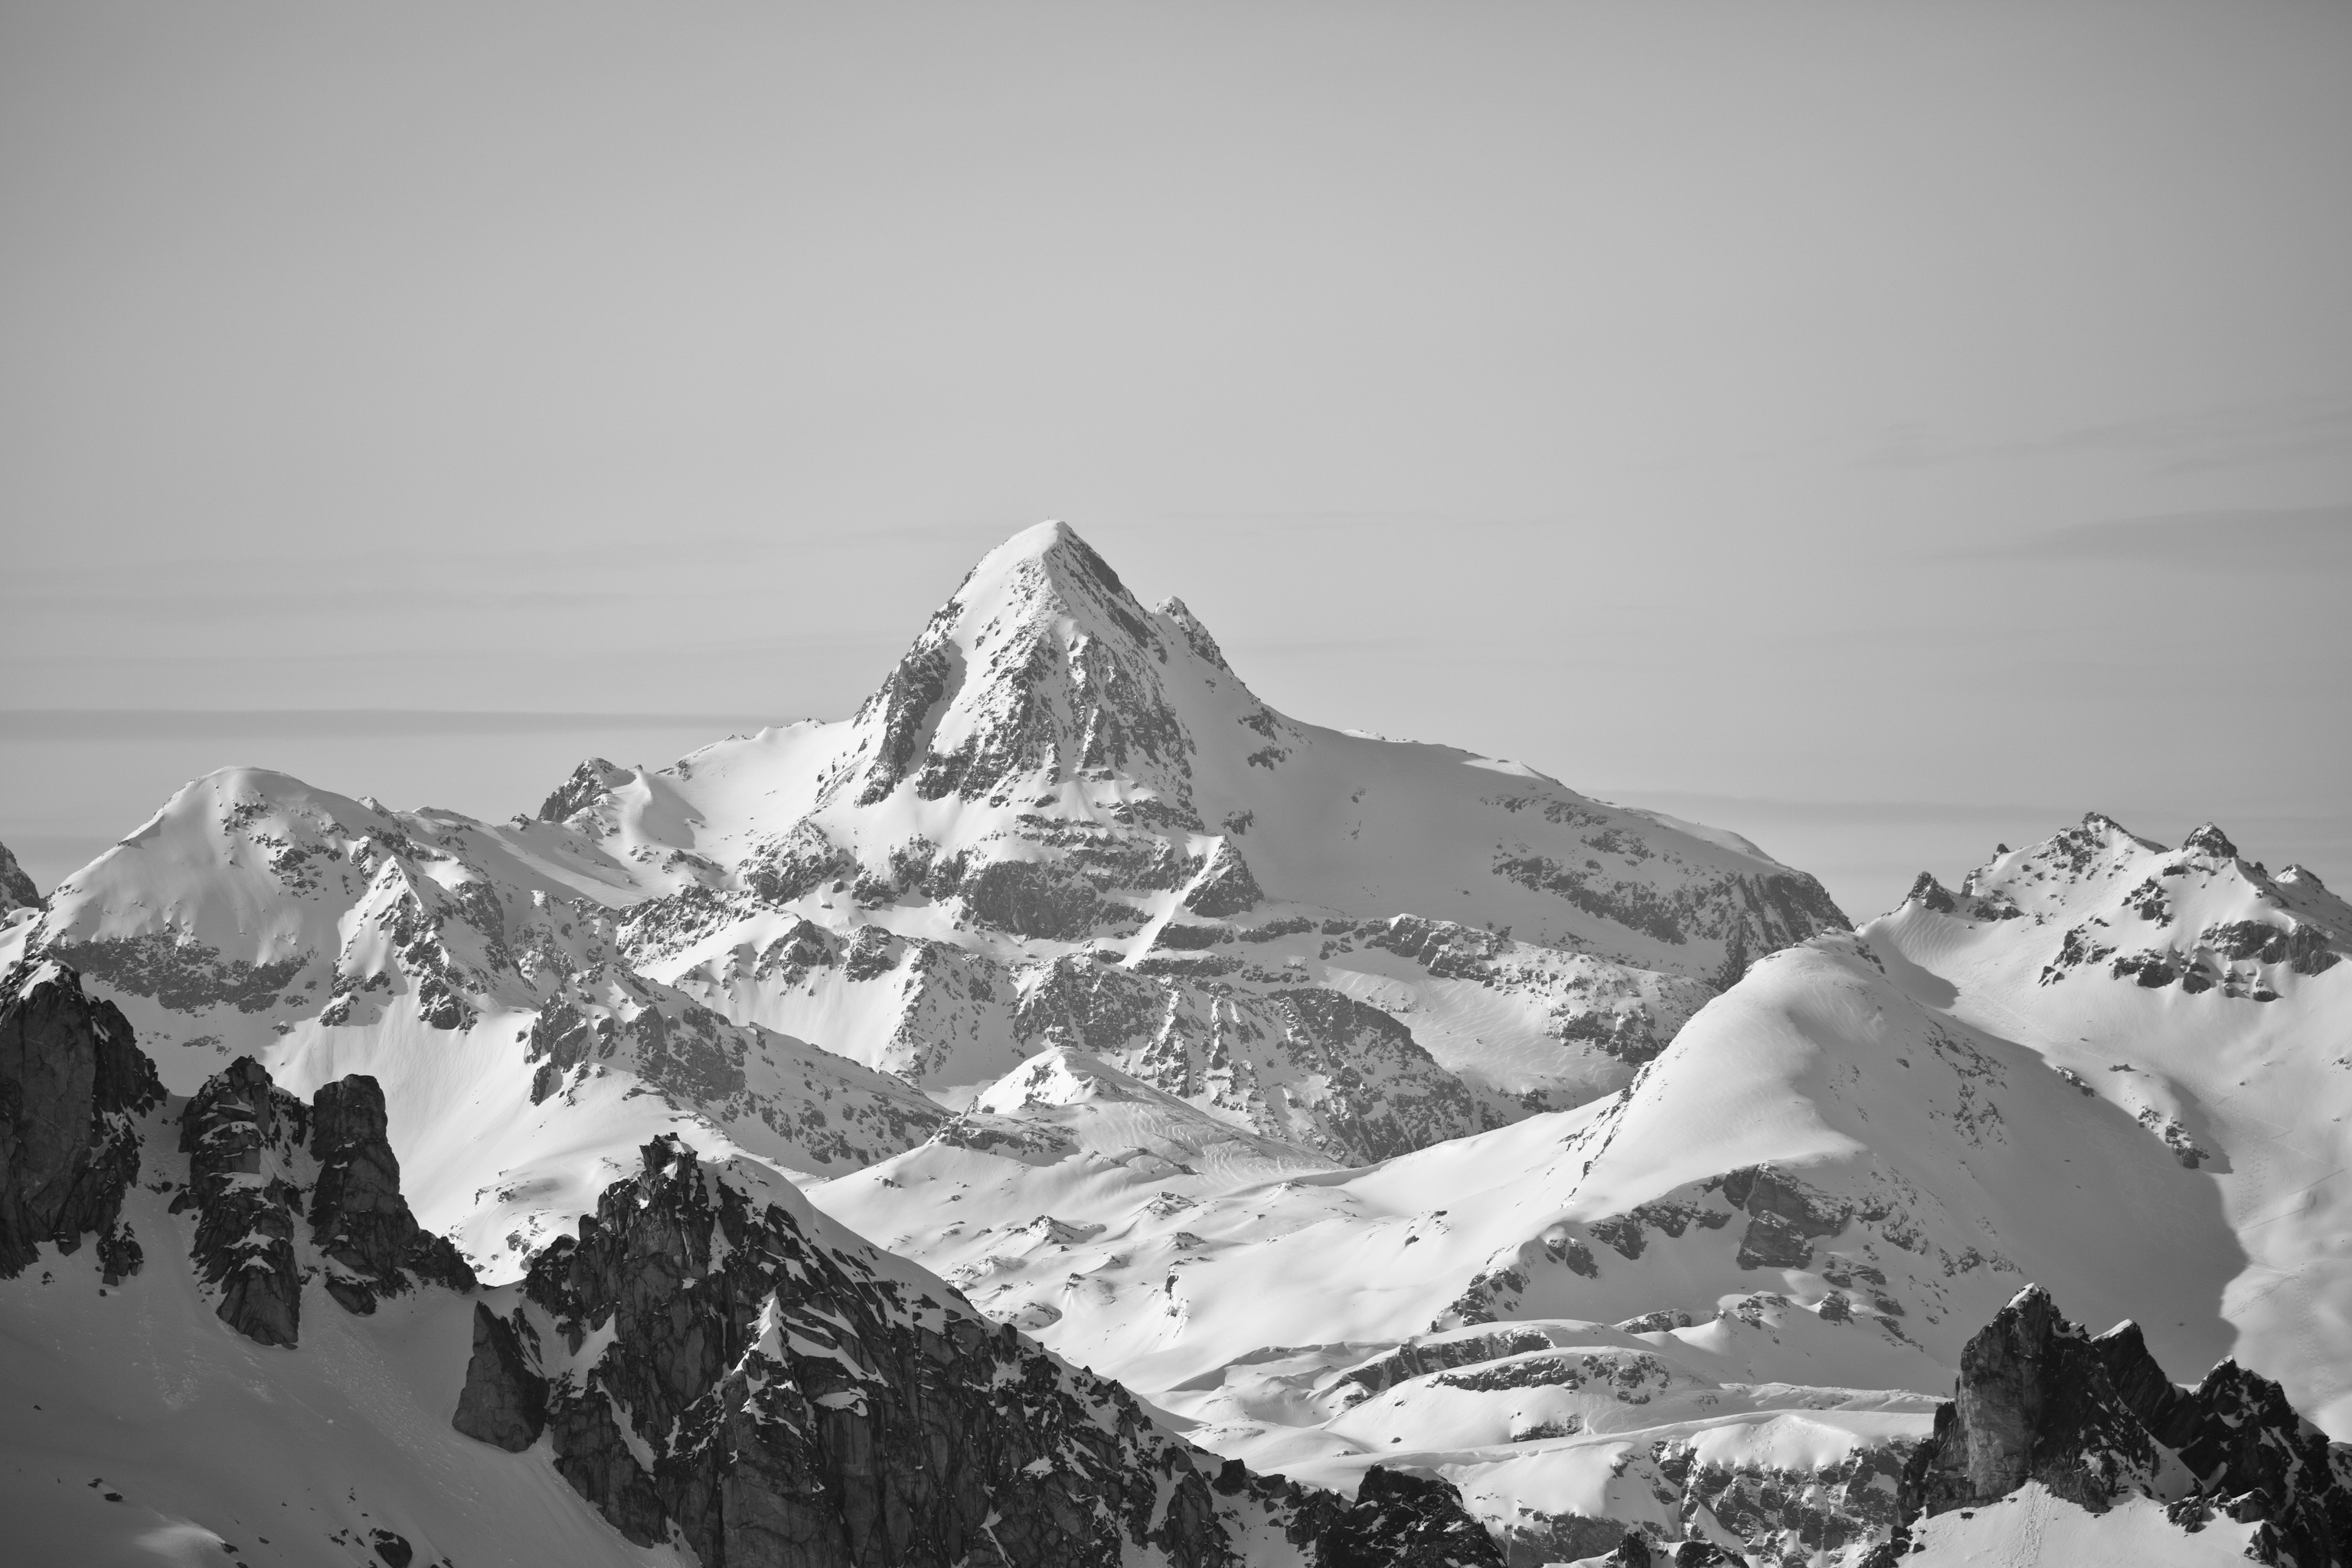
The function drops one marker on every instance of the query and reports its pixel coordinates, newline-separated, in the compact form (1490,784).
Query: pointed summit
(1041,670)
(1049,570)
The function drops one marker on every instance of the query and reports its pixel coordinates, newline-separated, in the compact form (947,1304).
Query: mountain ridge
(1376,1114)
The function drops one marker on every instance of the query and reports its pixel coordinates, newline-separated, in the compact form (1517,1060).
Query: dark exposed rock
(1703,1555)
(1031,897)
(1411,1360)
(795,862)
(588,783)
(1784,1217)
(2167,1411)
(240,1133)
(1771,1242)
(805,1406)
(1448,951)
(2242,1440)
(1353,1042)
(1404,1520)
(16,890)
(357,1217)
(904,706)
(1931,894)
(392,1548)
(2034,1403)
(1767,912)
(2252,1443)
(801,1409)
(592,1454)
(253,1151)
(2093,1419)
(1187,938)
(72,1081)
(2210,840)
(1225,885)
(504,1401)
(183,977)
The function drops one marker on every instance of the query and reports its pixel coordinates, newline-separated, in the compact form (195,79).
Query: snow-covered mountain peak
(1040,674)
(1060,1075)
(1177,614)
(2199,916)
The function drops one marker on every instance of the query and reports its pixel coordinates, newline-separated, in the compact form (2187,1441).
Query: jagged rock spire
(72,1083)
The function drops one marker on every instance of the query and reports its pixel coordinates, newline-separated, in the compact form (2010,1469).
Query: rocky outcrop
(803,1403)
(1308,1065)
(242,1134)
(589,783)
(1402,1520)
(1638,1552)
(254,1152)
(504,1402)
(2248,1448)
(801,1406)
(1785,1217)
(2034,1403)
(2096,1420)
(16,890)
(1224,886)
(357,1217)
(72,1084)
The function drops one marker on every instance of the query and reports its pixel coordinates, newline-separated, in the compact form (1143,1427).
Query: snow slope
(1825,1185)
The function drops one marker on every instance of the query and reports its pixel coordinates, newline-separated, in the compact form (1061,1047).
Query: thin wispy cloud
(2243,538)
(2235,436)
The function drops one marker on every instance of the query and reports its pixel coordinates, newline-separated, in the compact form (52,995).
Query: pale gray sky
(1882,428)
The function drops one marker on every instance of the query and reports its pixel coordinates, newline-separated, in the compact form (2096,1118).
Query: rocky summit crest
(2199,916)
(1041,672)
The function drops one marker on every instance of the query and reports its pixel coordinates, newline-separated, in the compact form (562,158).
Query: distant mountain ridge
(1562,1182)
(1061,821)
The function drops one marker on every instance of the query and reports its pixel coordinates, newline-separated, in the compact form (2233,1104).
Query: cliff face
(2034,1403)
(357,1217)
(72,1086)
(2095,1420)
(255,1153)
(786,1398)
